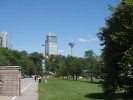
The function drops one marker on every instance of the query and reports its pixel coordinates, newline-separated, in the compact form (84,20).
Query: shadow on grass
(98,82)
(99,96)
(86,81)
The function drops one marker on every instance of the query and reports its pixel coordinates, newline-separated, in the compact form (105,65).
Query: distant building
(51,46)
(4,40)
(0,41)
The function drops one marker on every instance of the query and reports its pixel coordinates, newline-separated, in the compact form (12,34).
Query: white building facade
(51,47)
(0,41)
(4,39)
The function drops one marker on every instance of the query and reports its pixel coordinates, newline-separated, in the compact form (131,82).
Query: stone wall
(10,77)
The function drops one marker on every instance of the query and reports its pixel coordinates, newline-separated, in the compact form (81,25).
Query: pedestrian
(35,78)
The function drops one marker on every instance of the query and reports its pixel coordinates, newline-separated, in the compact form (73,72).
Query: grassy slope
(60,89)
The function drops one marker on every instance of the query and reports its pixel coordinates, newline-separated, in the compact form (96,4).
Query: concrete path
(28,92)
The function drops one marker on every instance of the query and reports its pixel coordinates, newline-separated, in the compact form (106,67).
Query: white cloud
(87,39)
(61,51)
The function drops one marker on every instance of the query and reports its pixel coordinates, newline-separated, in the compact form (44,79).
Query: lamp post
(43,63)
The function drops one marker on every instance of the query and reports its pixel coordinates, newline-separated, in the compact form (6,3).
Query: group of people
(37,78)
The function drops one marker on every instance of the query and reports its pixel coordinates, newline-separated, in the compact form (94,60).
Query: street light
(43,63)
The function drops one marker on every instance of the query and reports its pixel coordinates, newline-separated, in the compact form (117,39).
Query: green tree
(56,64)
(30,63)
(126,73)
(116,38)
(4,53)
(24,62)
(36,59)
(90,60)
(60,63)
(74,66)
(70,65)
(51,64)
(79,64)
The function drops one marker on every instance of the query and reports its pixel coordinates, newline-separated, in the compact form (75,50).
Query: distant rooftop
(51,34)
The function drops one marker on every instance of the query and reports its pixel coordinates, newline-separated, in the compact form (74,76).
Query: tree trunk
(73,77)
(91,77)
(76,77)
(67,77)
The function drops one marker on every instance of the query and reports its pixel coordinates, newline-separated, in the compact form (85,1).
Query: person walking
(35,77)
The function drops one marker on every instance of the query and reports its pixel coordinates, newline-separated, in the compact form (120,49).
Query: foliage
(30,63)
(54,63)
(65,66)
(92,63)
(70,66)
(126,73)
(74,65)
(116,38)
(36,60)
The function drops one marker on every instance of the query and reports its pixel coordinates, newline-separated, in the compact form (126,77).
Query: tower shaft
(71,44)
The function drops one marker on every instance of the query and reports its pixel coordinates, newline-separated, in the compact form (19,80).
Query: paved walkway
(30,92)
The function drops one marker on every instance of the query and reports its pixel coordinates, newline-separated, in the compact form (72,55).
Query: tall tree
(126,73)
(90,59)
(79,64)
(4,53)
(116,38)
(36,59)
(64,71)
(74,66)
(70,65)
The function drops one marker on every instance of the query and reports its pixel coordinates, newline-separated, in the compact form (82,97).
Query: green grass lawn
(61,89)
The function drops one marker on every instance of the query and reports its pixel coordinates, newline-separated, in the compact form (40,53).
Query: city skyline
(29,21)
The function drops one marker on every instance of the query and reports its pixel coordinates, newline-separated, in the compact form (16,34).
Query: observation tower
(71,44)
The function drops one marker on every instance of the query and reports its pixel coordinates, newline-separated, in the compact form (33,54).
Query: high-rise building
(5,40)
(0,41)
(51,47)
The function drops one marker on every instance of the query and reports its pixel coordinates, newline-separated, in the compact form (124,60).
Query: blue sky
(29,21)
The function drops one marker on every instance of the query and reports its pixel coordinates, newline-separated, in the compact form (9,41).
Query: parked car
(23,76)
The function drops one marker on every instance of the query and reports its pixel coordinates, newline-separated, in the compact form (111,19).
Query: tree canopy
(30,63)
(117,38)
(57,64)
